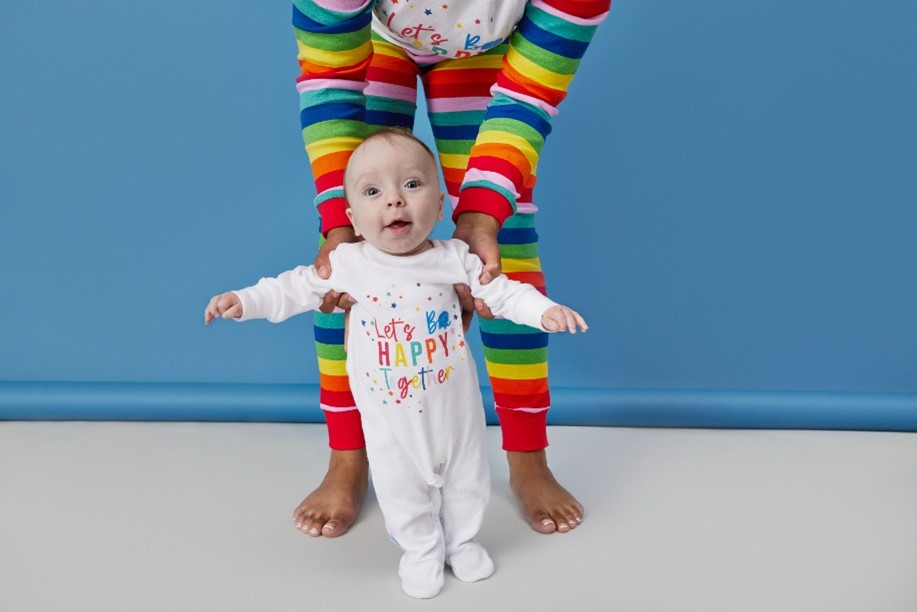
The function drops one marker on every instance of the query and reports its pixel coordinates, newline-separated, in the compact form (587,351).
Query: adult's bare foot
(332,508)
(545,504)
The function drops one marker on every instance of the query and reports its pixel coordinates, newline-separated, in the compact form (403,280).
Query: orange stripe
(503,151)
(533,88)
(331,162)
(535,279)
(357,71)
(519,387)
(330,382)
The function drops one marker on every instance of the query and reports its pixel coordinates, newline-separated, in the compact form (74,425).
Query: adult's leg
(458,92)
(340,84)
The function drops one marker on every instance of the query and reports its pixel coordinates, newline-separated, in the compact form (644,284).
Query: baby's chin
(406,249)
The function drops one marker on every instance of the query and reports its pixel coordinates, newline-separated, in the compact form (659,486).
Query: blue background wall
(729,196)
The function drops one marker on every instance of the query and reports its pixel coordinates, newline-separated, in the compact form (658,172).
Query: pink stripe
(391,91)
(526,208)
(475,174)
(341,6)
(311,84)
(451,105)
(529,410)
(328,408)
(591,21)
(550,110)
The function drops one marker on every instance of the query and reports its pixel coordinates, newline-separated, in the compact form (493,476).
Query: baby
(410,368)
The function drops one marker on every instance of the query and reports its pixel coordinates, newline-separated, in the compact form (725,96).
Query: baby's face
(394,195)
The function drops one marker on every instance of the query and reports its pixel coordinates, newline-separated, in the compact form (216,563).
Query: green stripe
(458,118)
(520,220)
(331,351)
(454,147)
(510,197)
(317,97)
(503,326)
(517,128)
(329,194)
(326,16)
(544,58)
(334,320)
(558,26)
(516,356)
(402,107)
(332,42)
(333,128)
(519,251)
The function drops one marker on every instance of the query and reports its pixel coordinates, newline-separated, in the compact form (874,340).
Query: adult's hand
(479,232)
(333,299)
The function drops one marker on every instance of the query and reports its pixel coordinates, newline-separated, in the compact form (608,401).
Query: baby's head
(392,191)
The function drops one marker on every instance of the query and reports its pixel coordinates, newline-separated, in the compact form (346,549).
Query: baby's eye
(412,184)
(370,191)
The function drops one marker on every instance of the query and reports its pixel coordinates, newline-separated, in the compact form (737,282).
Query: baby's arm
(521,303)
(560,318)
(275,299)
(226,305)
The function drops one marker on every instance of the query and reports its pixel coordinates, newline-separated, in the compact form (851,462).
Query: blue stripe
(328,336)
(514,341)
(455,132)
(326,112)
(389,119)
(302,22)
(520,112)
(517,235)
(574,49)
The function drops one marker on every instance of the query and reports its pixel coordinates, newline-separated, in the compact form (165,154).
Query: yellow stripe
(454,161)
(331,145)
(382,47)
(470,63)
(504,138)
(521,265)
(332,367)
(334,59)
(529,371)
(526,67)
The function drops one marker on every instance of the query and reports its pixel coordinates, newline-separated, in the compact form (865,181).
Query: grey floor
(196,516)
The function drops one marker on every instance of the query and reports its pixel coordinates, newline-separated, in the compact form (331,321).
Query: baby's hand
(226,305)
(561,318)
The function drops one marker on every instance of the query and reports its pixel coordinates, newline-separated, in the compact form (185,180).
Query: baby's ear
(349,214)
(442,197)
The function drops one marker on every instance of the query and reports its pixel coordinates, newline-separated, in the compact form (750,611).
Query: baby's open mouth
(398,224)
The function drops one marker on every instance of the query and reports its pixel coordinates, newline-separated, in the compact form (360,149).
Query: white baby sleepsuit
(415,384)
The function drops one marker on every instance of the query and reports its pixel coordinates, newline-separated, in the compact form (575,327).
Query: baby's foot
(421,579)
(471,563)
(331,509)
(545,504)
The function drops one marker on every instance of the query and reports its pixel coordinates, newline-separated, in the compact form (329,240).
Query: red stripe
(529,400)
(394,77)
(523,431)
(581,8)
(480,199)
(462,83)
(345,430)
(329,180)
(535,279)
(336,399)
(500,166)
(333,215)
